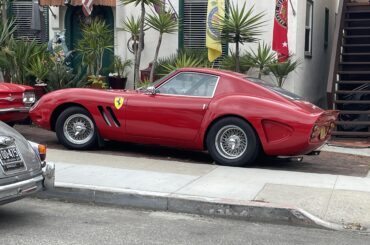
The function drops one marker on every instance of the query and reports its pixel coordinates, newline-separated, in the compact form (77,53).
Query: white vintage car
(23,170)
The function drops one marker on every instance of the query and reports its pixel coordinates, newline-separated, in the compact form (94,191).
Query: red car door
(176,110)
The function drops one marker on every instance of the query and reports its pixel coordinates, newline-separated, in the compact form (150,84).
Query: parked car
(15,102)
(23,170)
(234,117)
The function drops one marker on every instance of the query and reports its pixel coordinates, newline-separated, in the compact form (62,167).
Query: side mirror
(150,90)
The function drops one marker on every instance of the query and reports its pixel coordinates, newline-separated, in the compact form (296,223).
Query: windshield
(273,87)
(145,85)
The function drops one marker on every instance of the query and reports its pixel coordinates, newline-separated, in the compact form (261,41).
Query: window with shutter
(193,15)
(21,11)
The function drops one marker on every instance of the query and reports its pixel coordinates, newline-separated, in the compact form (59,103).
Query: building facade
(310,27)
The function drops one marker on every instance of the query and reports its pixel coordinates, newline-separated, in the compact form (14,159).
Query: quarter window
(190,84)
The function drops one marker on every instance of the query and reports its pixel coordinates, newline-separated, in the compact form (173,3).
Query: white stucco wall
(308,81)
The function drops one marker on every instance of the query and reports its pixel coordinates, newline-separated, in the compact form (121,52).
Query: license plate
(322,133)
(10,158)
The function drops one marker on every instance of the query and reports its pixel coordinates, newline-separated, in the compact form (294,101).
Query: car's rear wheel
(232,142)
(76,129)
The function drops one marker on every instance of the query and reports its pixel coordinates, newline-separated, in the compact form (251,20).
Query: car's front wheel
(232,142)
(76,129)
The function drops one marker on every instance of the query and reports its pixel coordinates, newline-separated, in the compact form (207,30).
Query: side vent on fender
(115,120)
(102,112)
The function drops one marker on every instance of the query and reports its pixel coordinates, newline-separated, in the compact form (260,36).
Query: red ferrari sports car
(232,116)
(15,102)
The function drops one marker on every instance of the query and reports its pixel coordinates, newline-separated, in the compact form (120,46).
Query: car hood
(13,88)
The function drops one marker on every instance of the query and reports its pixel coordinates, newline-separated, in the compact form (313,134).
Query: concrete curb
(214,207)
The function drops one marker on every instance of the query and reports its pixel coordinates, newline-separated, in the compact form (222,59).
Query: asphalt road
(326,162)
(33,221)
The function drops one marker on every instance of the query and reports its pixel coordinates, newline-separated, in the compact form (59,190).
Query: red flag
(280,36)
(87,7)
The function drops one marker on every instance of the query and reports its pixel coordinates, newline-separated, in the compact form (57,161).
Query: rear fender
(259,112)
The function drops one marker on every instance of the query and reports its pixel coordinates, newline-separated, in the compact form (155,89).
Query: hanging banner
(280,34)
(87,7)
(215,9)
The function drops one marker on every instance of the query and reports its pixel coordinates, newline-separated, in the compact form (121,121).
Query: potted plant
(97,82)
(119,78)
(281,70)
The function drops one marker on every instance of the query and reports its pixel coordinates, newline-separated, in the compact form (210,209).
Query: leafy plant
(97,81)
(23,54)
(261,59)
(142,4)
(183,58)
(120,66)
(96,39)
(61,76)
(164,23)
(144,84)
(229,63)
(39,68)
(281,70)
(7,28)
(240,26)
(6,32)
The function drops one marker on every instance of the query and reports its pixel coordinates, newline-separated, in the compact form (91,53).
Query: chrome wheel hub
(78,129)
(231,142)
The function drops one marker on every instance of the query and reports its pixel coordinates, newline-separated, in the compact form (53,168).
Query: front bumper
(15,109)
(18,190)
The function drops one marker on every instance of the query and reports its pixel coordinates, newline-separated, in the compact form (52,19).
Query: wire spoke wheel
(78,129)
(231,142)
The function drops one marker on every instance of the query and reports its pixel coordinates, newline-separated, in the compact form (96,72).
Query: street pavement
(45,222)
(337,198)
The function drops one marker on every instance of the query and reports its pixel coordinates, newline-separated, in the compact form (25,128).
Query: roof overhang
(111,3)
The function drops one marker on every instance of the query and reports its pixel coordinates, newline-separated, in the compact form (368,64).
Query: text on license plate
(10,155)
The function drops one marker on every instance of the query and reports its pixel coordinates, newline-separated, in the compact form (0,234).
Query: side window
(190,84)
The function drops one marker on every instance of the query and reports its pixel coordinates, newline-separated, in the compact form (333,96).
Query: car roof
(213,71)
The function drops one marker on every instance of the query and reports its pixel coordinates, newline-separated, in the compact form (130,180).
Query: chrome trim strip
(15,109)
(10,98)
(22,183)
(192,96)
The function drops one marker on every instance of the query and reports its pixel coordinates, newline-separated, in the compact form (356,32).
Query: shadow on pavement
(325,163)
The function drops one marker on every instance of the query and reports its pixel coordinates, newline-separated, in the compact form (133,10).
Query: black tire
(234,152)
(83,123)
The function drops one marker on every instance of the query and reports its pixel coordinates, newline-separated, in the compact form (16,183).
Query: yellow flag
(215,9)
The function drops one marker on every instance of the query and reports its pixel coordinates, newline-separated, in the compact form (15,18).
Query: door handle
(205,106)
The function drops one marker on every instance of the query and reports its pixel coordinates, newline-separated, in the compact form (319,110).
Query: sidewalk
(316,200)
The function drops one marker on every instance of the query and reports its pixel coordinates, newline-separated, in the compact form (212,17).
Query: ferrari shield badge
(118,102)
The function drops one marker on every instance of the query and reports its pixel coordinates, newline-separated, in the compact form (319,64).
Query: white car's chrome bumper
(30,186)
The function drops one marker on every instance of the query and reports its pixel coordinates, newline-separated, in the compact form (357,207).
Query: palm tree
(261,59)
(142,4)
(281,70)
(240,26)
(162,22)
(132,26)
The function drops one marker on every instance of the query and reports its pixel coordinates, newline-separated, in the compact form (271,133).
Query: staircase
(349,78)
